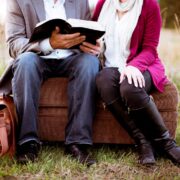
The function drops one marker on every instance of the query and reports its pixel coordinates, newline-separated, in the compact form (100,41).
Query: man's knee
(26,60)
(88,64)
(28,66)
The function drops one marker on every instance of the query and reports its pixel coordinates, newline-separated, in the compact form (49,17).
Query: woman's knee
(106,86)
(134,97)
(126,89)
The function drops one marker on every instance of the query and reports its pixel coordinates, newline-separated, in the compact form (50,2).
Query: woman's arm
(148,53)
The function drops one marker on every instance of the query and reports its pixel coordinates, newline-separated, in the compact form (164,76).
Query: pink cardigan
(144,42)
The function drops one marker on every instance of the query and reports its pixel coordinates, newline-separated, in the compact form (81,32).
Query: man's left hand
(90,48)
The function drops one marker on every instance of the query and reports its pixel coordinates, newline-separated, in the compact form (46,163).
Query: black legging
(110,90)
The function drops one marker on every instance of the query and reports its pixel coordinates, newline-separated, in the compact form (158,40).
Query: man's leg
(81,70)
(28,75)
(81,99)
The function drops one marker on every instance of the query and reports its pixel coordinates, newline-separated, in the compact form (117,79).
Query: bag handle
(8,125)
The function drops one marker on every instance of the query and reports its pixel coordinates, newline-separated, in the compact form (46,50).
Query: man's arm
(16,36)
(88,12)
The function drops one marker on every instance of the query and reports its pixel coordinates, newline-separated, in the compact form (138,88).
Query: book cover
(91,29)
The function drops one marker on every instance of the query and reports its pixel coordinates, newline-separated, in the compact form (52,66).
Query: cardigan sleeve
(148,53)
(97,10)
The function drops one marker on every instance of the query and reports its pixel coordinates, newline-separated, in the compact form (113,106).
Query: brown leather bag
(8,124)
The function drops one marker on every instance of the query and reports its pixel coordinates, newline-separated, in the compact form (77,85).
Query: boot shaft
(121,114)
(149,120)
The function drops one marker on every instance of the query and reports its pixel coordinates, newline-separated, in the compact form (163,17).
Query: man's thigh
(74,63)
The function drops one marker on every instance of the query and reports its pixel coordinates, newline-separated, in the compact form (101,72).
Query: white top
(54,10)
(115,56)
(119,31)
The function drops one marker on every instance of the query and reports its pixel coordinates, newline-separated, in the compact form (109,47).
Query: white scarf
(125,6)
(119,32)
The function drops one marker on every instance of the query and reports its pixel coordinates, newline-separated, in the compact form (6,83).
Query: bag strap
(3,137)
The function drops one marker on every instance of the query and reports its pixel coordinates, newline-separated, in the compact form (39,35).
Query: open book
(91,29)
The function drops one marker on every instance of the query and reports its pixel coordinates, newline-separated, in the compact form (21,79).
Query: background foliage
(170,12)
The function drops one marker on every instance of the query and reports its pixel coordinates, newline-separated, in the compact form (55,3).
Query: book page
(48,20)
(86,24)
(41,22)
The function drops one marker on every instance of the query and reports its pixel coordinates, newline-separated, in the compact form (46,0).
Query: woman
(132,70)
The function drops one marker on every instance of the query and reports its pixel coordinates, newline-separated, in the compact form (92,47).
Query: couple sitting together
(131,70)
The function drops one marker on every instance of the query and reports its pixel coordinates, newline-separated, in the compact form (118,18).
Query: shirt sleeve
(45,46)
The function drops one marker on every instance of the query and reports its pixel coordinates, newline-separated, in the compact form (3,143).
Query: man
(35,62)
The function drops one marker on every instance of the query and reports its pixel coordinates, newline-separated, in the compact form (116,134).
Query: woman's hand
(90,48)
(133,74)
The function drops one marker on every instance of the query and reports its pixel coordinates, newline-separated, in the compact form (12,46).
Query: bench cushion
(53,114)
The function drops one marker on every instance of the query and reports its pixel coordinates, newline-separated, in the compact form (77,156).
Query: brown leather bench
(53,114)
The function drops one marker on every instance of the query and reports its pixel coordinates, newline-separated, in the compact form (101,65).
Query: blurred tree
(170,12)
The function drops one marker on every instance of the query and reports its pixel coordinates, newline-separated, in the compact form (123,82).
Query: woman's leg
(108,86)
(154,126)
(148,118)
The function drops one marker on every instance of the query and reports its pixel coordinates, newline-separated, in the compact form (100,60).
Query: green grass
(114,162)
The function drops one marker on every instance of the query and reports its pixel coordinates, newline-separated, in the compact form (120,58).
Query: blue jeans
(30,71)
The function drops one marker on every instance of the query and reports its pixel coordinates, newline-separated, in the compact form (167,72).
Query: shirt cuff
(45,46)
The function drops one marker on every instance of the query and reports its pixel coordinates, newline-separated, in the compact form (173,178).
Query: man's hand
(65,41)
(90,48)
(133,74)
